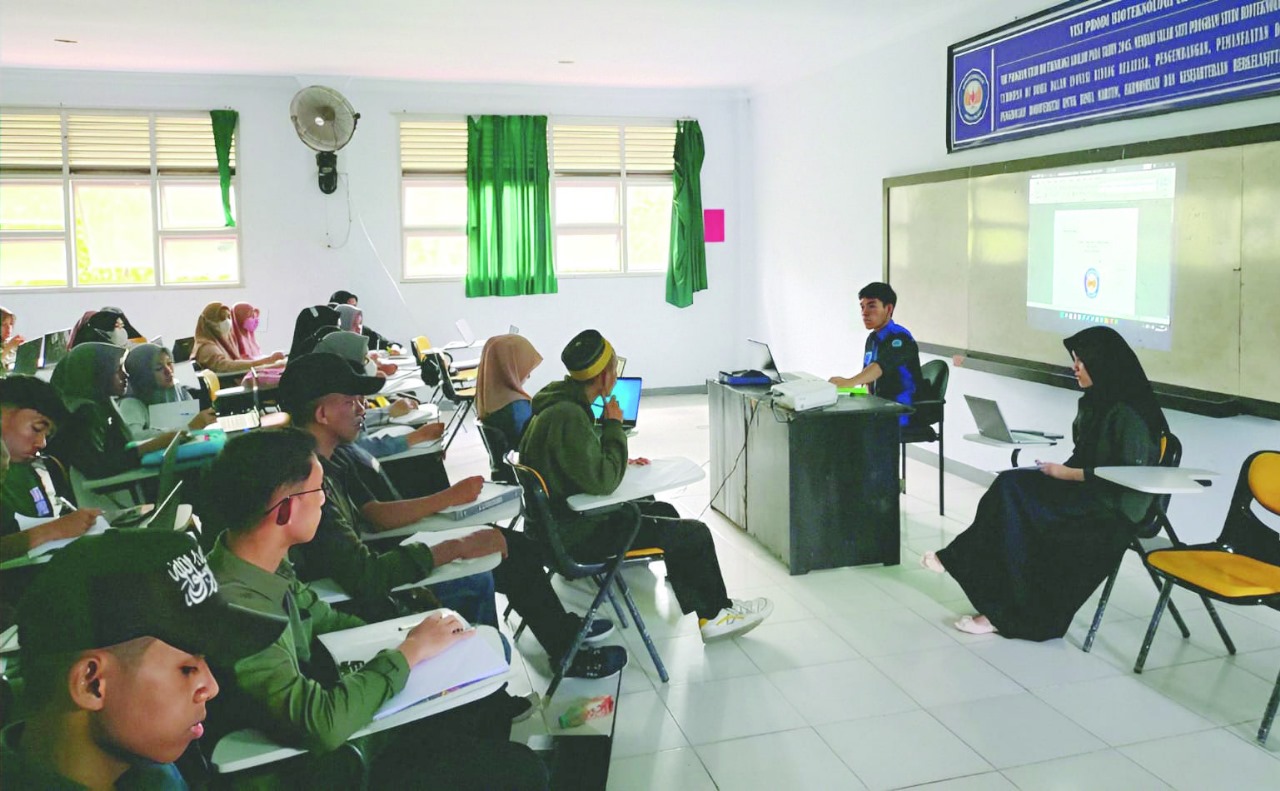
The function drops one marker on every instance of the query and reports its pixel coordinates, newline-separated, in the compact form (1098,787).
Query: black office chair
(930,409)
(462,400)
(541,525)
(495,442)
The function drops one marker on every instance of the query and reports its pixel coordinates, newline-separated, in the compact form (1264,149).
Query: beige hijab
(505,364)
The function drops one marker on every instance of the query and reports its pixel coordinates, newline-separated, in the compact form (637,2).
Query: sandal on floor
(969,625)
(929,560)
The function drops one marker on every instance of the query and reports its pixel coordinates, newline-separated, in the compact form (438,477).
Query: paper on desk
(439,536)
(423,413)
(27,522)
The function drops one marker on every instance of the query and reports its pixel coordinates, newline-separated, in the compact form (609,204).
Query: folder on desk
(491,496)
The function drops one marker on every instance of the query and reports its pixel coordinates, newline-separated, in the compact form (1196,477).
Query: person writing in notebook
(561,443)
(115,635)
(891,359)
(279,495)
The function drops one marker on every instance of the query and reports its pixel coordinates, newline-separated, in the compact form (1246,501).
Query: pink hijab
(245,337)
(505,364)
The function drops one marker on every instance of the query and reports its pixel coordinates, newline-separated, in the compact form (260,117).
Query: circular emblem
(1091,283)
(973,97)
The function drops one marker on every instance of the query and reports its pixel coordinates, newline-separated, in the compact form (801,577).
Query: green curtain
(509,233)
(224,129)
(687,267)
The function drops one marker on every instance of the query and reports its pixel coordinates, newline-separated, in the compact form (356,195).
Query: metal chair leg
(942,471)
(902,479)
(644,630)
(1165,590)
(1217,623)
(572,651)
(1173,608)
(1270,714)
(622,617)
(1102,606)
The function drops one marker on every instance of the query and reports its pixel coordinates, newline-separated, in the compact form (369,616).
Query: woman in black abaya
(1044,538)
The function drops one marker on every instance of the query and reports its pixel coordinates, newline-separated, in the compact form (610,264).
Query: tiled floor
(859,680)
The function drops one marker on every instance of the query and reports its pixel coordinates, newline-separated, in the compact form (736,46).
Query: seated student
(501,401)
(9,340)
(30,412)
(150,372)
(96,440)
(562,445)
(891,362)
(215,346)
(108,325)
(326,398)
(1042,540)
(304,327)
(351,319)
(280,493)
(115,634)
(244,327)
(354,347)
(341,297)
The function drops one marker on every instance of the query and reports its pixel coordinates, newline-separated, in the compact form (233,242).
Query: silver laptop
(986,413)
(762,361)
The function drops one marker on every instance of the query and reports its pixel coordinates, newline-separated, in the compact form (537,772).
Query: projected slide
(1100,251)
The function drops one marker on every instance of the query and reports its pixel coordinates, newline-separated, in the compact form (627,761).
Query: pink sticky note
(713,225)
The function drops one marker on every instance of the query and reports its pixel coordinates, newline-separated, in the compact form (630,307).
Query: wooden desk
(819,489)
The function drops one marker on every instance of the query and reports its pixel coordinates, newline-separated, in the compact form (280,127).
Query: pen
(64,506)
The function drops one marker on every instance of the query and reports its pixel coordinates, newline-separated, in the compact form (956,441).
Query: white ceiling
(653,43)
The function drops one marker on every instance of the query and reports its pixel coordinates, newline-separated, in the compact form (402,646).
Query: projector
(805,394)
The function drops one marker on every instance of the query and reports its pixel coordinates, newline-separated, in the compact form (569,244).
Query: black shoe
(521,709)
(601,628)
(598,662)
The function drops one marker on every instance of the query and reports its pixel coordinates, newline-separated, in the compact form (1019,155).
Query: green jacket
(561,443)
(19,774)
(274,690)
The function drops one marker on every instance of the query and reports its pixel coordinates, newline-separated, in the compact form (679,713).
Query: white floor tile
(1211,761)
(990,781)
(718,710)
(1263,664)
(1214,689)
(945,675)
(778,646)
(1016,730)
(1122,710)
(790,759)
(647,727)
(673,769)
(1043,664)
(841,691)
(901,750)
(1107,770)
(883,632)
(1119,642)
(689,660)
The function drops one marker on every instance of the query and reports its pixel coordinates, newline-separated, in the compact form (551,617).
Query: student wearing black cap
(561,443)
(280,492)
(115,632)
(324,396)
(30,412)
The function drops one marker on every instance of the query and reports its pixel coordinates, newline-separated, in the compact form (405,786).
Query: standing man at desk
(561,443)
(891,361)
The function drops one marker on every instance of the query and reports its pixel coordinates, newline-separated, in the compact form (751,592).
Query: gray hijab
(350,346)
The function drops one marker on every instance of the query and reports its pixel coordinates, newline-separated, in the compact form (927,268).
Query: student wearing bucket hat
(561,443)
(114,635)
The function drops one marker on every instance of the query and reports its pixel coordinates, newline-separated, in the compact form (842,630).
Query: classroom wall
(821,148)
(297,246)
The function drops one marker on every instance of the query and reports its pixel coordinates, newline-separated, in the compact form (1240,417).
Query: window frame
(429,231)
(154,179)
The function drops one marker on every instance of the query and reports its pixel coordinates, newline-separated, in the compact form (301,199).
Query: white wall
(822,147)
(286,223)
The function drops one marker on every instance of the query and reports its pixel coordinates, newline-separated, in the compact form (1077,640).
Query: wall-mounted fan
(325,121)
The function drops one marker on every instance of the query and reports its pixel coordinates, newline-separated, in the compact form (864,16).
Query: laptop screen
(762,360)
(627,391)
(27,359)
(55,346)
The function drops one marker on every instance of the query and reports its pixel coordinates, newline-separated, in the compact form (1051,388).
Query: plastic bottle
(586,709)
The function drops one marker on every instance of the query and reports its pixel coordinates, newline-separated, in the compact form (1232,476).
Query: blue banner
(1103,60)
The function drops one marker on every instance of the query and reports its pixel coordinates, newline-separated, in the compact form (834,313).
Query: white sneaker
(740,617)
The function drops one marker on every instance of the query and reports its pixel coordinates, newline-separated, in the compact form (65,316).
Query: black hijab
(308,321)
(1117,376)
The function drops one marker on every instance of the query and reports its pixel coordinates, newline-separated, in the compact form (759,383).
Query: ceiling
(651,43)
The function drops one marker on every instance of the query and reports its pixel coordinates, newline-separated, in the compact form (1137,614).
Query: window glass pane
(200,260)
(193,205)
(578,204)
(435,255)
(113,234)
(589,252)
(435,205)
(27,206)
(33,262)
(648,227)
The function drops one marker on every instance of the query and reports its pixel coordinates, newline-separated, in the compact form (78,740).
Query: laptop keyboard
(241,422)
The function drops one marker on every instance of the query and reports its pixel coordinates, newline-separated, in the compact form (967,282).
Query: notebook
(173,416)
(986,413)
(627,391)
(491,496)
(27,358)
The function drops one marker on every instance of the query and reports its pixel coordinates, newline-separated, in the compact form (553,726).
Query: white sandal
(969,625)
(929,560)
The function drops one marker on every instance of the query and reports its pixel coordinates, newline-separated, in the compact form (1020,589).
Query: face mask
(120,336)
(224,327)
(251,324)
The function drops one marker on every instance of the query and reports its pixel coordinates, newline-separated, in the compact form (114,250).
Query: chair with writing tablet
(1241,567)
(463,400)
(930,410)
(542,526)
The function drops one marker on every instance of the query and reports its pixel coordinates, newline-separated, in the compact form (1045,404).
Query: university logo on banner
(974,98)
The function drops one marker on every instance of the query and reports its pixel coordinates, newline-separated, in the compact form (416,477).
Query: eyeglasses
(289,497)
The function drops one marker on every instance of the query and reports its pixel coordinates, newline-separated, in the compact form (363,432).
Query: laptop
(158,340)
(986,413)
(627,391)
(182,349)
(622,365)
(237,407)
(763,363)
(513,329)
(27,358)
(464,329)
(161,516)
(55,346)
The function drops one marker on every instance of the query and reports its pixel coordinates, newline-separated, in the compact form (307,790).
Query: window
(112,199)
(433,200)
(613,196)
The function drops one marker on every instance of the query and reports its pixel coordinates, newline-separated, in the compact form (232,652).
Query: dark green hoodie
(561,443)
